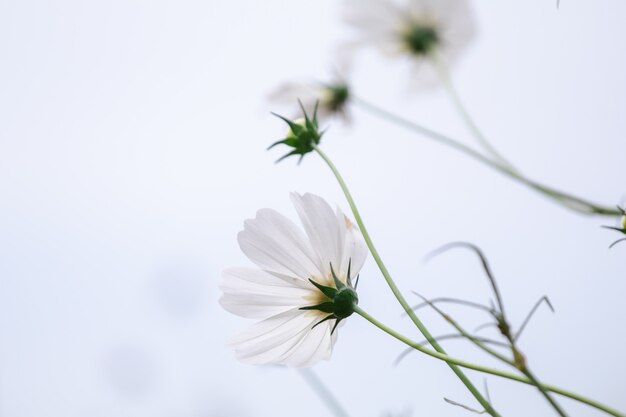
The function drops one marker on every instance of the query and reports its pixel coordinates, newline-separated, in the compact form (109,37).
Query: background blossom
(332,98)
(387,25)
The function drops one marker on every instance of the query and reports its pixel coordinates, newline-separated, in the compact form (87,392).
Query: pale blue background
(132,147)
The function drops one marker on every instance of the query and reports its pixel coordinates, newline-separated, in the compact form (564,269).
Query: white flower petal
(275,244)
(273,340)
(373,16)
(310,94)
(288,95)
(317,345)
(376,23)
(324,231)
(253,293)
(355,250)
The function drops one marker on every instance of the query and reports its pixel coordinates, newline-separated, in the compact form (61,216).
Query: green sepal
(323,320)
(617,241)
(294,127)
(340,285)
(326,307)
(615,228)
(310,124)
(294,152)
(348,279)
(329,292)
(335,326)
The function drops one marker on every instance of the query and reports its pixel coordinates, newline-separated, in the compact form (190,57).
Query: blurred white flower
(425,31)
(296,291)
(332,98)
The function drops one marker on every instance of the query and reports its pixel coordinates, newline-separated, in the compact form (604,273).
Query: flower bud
(303,134)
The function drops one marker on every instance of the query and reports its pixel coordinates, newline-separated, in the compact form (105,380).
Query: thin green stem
(498,355)
(470,337)
(485,369)
(394,289)
(499,314)
(444,76)
(521,364)
(570,201)
(506,360)
(544,392)
(325,394)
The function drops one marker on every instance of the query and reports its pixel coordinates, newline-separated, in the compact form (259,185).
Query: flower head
(303,287)
(302,136)
(332,98)
(422,30)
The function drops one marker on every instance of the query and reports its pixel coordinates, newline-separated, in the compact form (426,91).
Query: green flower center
(336,97)
(421,39)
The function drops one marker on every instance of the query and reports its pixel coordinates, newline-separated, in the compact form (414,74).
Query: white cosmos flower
(289,259)
(420,30)
(332,98)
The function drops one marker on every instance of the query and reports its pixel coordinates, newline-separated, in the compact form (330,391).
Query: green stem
(396,292)
(468,336)
(544,392)
(570,201)
(520,361)
(444,76)
(323,392)
(499,356)
(484,369)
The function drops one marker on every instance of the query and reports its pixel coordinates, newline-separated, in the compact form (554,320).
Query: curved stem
(323,392)
(467,335)
(444,76)
(481,345)
(396,292)
(570,201)
(485,369)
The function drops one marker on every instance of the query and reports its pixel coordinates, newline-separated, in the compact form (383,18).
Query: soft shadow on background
(132,147)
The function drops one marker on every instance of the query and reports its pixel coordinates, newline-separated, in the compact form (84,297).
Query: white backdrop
(132,147)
